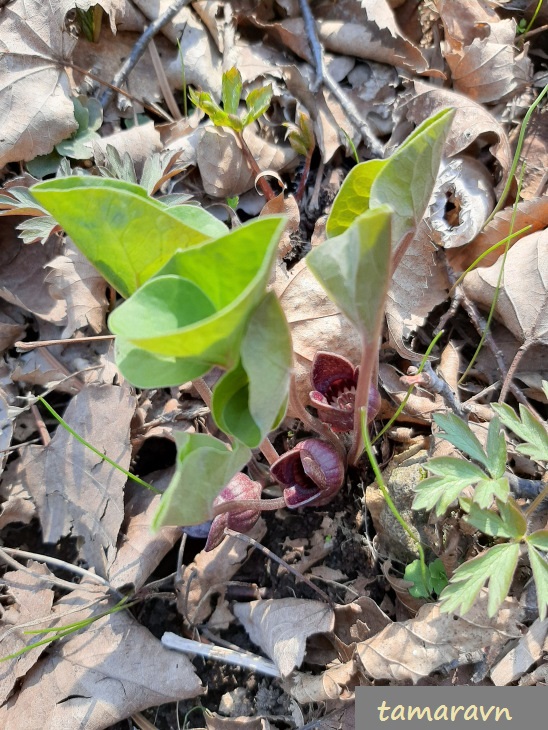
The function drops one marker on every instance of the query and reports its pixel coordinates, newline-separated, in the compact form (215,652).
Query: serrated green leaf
(127,235)
(488,489)
(353,197)
(354,269)
(257,102)
(496,565)
(231,273)
(510,523)
(438,576)
(231,90)
(204,466)
(496,449)
(455,468)
(438,492)
(458,433)
(539,565)
(539,539)
(529,430)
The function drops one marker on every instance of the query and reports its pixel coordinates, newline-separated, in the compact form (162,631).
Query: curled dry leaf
(32,600)
(481,52)
(282,626)
(418,285)
(331,685)
(75,281)
(218,722)
(522,304)
(420,406)
(76,492)
(528,650)
(17,505)
(466,187)
(208,574)
(413,649)
(471,124)
(533,213)
(101,675)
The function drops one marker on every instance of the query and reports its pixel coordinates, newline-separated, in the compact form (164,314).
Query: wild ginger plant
(196,297)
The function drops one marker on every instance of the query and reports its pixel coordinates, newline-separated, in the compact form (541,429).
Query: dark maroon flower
(312,473)
(334,380)
(240,488)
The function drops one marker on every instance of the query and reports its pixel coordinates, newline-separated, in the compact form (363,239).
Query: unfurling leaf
(204,466)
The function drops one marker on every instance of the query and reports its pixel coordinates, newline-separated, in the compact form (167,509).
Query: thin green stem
(386,494)
(412,387)
(535,503)
(85,443)
(515,161)
(531,22)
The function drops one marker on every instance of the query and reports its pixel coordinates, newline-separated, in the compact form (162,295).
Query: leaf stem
(252,162)
(368,366)
(85,443)
(386,494)
(535,503)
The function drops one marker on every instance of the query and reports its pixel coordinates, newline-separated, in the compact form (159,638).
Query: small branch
(45,438)
(25,346)
(140,47)
(536,502)
(512,370)
(314,43)
(433,383)
(51,579)
(59,564)
(304,176)
(254,543)
(164,83)
(220,654)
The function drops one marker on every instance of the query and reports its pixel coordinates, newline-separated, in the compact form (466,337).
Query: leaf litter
(383,69)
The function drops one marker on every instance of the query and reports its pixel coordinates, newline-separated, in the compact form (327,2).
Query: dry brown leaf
(535,156)
(12,325)
(420,405)
(288,206)
(471,124)
(6,430)
(282,626)
(75,281)
(141,549)
(413,649)
(528,650)
(532,213)
(332,684)
(481,53)
(32,600)
(22,276)
(522,304)
(35,109)
(75,491)
(18,506)
(314,321)
(418,285)
(224,168)
(101,675)
(209,573)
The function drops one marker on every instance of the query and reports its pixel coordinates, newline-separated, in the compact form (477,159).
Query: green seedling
(491,510)
(436,579)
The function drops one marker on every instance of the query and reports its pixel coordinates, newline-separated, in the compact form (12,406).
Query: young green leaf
(197,306)
(539,539)
(529,430)
(509,523)
(496,565)
(353,197)
(204,101)
(539,565)
(231,90)
(354,269)
(458,433)
(452,476)
(489,489)
(407,181)
(436,578)
(404,181)
(126,235)
(204,466)
(496,450)
(250,400)
(257,102)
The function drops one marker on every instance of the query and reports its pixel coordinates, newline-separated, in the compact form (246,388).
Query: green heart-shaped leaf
(127,235)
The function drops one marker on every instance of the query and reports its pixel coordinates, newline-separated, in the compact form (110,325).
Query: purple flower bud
(312,473)
(240,519)
(334,380)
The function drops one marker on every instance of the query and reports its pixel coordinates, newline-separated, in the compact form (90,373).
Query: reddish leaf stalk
(304,177)
(252,162)
(367,370)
